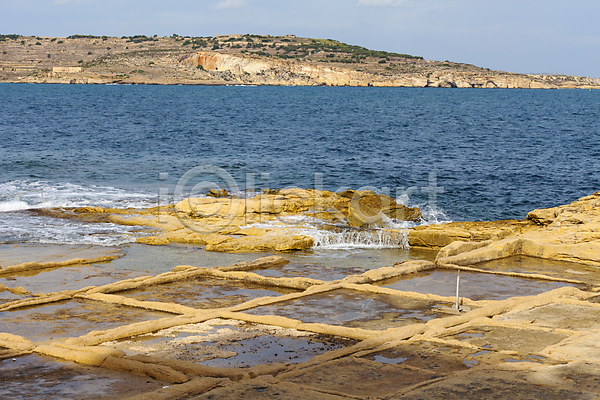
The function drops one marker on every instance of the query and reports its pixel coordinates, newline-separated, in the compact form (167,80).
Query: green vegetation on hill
(11,36)
(139,39)
(285,47)
(83,37)
(334,46)
(291,47)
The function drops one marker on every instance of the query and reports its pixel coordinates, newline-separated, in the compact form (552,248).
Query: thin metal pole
(457,289)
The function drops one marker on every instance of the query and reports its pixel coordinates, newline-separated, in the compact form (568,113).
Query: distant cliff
(244,59)
(258,70)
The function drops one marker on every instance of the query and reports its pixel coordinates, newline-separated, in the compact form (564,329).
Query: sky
(526,36)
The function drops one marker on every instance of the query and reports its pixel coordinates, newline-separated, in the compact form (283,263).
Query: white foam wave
(19,225)
(14,205)
(433,216)
(43,194)
(393,233)
(430,215)
(26,228)
(359,239)
(343,237)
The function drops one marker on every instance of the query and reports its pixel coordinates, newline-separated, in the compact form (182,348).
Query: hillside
(243,59)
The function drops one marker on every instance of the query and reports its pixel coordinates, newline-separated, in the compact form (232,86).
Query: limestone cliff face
(219,68)
(265,71)
(226,62)
(256,70)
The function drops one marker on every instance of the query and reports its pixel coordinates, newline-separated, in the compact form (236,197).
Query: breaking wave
(29,194)
(19,199)
(392,233)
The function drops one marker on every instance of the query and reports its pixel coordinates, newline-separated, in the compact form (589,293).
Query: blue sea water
(483,154)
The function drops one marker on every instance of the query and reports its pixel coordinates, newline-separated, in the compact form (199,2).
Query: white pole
(457,288)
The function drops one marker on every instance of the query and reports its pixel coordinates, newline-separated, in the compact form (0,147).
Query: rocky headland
(244,59)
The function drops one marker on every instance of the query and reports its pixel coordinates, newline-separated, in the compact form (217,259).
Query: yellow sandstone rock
(222,223)
(155,371)
(15,342)
(566,233)
(262,243)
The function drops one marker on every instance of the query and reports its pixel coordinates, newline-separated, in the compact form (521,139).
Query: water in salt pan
(473,285)
(71,318)
(354,309)
(556,269)
(230,343)
(205,293)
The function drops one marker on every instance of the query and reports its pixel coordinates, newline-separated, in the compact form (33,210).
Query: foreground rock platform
(392,332)
(541,345)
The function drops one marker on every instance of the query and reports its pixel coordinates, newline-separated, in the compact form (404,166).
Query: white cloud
(382,3)
(230,4)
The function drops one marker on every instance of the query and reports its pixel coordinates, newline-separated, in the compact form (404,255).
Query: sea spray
(363,239)
(22,223)
(64,194)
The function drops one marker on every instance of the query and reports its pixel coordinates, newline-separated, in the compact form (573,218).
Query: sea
(458,154)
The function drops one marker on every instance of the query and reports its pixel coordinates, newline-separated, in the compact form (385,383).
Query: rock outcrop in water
(287,220)
(228,224)
(566,233)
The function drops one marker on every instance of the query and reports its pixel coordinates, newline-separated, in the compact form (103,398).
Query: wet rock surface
(262,327)
(33,376)
(68,318)
(206,293)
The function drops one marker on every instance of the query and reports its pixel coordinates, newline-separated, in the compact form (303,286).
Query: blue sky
(531,36)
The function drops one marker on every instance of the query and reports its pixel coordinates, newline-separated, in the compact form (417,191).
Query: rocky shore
(228,224)
(524,323)
(244,59)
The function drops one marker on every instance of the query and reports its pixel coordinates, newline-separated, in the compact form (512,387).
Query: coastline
(245,59)
(448,83)
(45,82)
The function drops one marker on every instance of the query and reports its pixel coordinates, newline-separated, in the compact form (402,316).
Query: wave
(14,205)
(391,234)
(25,228)
(359,239)
(433,215)
(339,237)
(21,226)
(29,194)
(430,214)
